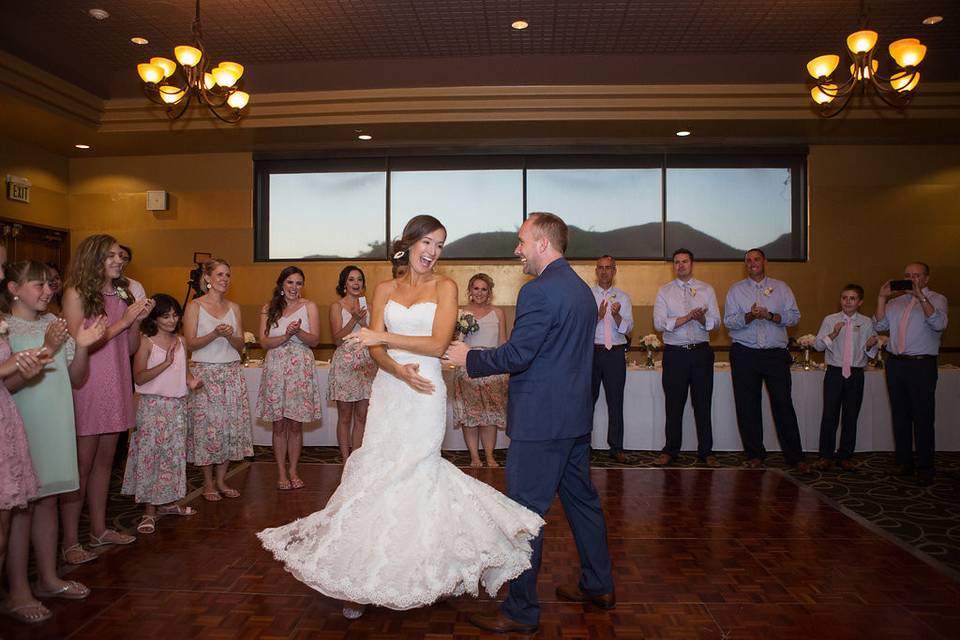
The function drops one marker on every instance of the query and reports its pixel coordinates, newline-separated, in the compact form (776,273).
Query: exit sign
(18,189)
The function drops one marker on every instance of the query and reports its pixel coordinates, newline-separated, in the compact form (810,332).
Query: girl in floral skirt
(157,459)
(289,393)
(351,370)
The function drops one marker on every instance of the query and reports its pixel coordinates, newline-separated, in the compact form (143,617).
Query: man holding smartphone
(916,320)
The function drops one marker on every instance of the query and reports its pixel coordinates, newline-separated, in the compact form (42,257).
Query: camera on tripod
(195,284)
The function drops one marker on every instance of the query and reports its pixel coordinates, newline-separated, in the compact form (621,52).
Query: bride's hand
(365,338)
(409,373)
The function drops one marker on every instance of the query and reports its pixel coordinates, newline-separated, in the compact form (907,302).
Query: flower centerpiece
(651,343)
(248,339)
(466,324)
(881,345)
(806,342)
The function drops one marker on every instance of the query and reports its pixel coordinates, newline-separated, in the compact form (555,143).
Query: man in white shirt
(126,254)
(614,322)
(686,311)
(848,340)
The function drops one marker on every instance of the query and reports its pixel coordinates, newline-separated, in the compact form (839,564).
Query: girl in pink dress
(47,411)
(103,404)
(289,394)
(156,472)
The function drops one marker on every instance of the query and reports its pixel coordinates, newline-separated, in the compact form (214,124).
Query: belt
(924,356)
(686,347)
(830,366)
(600,347)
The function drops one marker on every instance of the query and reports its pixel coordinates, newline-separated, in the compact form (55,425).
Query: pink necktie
(902,329)
(608,328)
(847,348)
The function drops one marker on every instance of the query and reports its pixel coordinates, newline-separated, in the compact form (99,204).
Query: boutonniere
(693,292)
(123,294)
(4,328)
(768,291)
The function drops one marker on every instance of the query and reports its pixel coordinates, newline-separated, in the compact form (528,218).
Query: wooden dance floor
(697,553)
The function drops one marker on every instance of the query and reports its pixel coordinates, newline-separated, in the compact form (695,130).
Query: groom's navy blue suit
(549,419)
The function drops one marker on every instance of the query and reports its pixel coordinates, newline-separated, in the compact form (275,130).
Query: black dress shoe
(904,470)
(498,623)
(925,478)
(574,594)
(619,456)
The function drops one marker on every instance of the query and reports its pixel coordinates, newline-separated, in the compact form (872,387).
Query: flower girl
(157,459)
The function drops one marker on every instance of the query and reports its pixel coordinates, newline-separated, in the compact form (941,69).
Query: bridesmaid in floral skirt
(220,429)
(480,404)
(289,393)
(351,370)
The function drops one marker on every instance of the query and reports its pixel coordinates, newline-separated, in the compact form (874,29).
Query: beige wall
(49,174)
(872,209)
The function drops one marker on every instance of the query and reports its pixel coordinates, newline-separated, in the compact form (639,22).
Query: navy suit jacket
(549,357)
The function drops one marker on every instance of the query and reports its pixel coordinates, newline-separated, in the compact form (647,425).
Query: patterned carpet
(924,520)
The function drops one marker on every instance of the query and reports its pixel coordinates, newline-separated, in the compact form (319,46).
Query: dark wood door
(33,242)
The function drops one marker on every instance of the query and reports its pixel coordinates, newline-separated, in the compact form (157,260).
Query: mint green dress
(46,405)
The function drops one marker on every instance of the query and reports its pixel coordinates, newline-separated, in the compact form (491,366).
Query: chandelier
(212,86)
(896,90)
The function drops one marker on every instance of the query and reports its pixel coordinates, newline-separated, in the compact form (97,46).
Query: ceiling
(282,41)
(300,53)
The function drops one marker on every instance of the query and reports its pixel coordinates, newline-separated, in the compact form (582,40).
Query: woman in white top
(289,393)
(351,370)
(220,429)
(480,404)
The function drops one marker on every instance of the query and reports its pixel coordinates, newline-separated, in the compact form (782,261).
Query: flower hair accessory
(399,254)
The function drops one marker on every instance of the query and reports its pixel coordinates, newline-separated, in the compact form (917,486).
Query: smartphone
(363,301)
(901,285)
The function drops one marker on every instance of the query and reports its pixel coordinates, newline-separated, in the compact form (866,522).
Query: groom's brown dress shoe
(499,623)
(574,594)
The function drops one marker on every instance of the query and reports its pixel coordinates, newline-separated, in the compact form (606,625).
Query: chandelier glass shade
(832,95)
(175,84)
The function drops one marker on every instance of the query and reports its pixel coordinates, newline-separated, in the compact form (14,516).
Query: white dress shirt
(923,332)
(773,294)
(862,328)
(621,330)
(678,298)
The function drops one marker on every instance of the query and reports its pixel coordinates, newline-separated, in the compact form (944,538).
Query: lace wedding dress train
(406,527)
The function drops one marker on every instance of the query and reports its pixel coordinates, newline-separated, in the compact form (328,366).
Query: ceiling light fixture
(931,20)
(98,14)
(364,136)
(214,87)
(683,133)
(82,146)
(139,40)
(520,25)
(896,90)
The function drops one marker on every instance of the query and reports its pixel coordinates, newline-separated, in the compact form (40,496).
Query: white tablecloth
(643,414)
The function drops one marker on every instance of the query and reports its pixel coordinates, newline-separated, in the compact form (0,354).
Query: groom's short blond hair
(550,226)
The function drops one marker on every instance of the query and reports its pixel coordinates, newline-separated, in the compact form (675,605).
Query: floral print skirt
(220,428)
(157,457)
(479,402)
(351,374)
(289,387)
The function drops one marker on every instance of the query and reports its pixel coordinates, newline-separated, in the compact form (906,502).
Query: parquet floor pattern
(697,553)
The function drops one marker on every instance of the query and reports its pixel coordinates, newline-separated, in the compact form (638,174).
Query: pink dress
(18,481)
(104,404)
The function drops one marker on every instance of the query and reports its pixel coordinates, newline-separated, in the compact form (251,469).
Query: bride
(406,527)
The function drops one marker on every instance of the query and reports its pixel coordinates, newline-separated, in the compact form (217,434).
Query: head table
(644,415)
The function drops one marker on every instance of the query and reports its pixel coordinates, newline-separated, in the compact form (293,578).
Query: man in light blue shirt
(686,311)
(916,320)
(757,313)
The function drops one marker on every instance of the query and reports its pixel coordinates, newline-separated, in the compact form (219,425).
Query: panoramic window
(632,207)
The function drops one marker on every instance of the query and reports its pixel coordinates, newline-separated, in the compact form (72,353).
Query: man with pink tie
(916,320)
(610,344)
(848,338)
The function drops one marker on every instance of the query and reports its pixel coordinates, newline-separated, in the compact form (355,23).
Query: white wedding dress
(406,527)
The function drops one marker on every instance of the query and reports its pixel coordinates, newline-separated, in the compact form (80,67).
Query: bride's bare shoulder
(446,285)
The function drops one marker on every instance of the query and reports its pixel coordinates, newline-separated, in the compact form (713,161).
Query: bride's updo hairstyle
(417,228)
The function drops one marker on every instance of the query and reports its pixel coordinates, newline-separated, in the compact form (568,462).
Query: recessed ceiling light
(139,40)
(82,146)
(98,14)
(933,20)
(683,133)
(520,25)
(364,136)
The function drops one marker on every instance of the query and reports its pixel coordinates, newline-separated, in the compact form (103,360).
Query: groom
(549,418)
